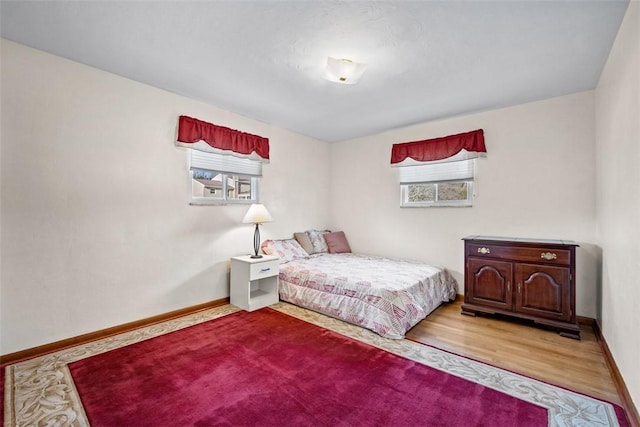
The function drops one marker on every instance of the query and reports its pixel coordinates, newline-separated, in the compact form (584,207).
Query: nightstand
(254,281)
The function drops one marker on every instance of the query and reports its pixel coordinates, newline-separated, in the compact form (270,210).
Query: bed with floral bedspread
(388,296)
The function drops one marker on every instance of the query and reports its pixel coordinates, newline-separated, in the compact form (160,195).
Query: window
(437,194)
(437,184)
(223,179)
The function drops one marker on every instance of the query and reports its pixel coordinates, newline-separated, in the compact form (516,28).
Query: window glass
(206,184)
(436,194)
(238,187)
(452,191)
(421,193)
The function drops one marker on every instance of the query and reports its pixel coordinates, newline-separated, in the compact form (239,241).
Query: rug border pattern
(40,391)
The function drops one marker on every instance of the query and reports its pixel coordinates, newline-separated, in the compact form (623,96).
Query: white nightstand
(254,281)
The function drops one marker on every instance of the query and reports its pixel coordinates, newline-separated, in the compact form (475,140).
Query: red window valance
(439,148)
(191,131)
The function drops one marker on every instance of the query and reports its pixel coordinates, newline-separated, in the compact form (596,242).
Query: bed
(388,296)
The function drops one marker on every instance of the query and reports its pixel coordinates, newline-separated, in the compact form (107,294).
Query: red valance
(191,131)
(439,148)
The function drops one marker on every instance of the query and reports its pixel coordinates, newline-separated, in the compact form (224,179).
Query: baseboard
(623,392)
(588,321)
(93,336)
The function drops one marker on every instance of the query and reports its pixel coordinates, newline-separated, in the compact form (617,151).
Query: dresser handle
(265,269)
(484,251)
(508,286)
(548,256)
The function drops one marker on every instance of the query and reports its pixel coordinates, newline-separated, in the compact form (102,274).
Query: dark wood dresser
(524,278)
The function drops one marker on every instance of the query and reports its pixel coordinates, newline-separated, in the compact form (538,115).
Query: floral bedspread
(388,296)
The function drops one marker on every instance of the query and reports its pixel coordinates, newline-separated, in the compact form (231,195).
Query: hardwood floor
(519,347)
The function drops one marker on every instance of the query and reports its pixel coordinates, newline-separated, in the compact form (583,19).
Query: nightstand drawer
(264,269)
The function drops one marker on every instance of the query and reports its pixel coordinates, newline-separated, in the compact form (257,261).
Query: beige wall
(96,224)
(109,236)
(618,198)
(537,181)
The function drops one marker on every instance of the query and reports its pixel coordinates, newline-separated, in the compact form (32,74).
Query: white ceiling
(264,59)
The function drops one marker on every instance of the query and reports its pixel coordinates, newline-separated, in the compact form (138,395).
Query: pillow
(317,240)
(337,243)
(287,249)
(304,241)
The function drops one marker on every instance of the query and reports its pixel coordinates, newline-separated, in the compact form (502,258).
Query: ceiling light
(343,71)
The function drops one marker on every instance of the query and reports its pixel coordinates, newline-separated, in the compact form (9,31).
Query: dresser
(524,278)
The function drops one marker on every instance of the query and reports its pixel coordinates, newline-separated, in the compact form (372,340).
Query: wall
(618,198)
(96,226)
(537,181)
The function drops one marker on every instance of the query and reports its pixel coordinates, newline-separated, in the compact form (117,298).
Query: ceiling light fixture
(343,71)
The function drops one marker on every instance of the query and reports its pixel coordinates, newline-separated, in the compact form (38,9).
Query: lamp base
(256,242)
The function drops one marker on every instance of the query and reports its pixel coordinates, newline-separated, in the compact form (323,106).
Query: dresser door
(489,283)
(543,291)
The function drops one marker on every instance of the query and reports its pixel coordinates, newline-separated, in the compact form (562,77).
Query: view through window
(221,186)
(437,194)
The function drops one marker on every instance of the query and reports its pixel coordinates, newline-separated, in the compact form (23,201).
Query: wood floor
(519,347)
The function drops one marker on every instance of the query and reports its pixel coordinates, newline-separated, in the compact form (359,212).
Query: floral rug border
(40,391)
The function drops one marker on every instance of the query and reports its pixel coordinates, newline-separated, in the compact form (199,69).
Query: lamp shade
(343,71)
(257,214)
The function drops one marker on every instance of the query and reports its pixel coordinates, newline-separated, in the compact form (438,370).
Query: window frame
(224,176)
(437,173)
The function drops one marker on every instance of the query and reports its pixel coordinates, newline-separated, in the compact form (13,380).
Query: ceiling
(264,59)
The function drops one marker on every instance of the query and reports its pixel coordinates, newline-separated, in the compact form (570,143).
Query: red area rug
(268,368)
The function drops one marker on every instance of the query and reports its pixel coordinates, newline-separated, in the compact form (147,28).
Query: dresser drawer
(520,253)
(264,269)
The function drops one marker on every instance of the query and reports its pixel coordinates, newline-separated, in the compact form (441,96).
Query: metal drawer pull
(265,269)
(484,251)
(548,256)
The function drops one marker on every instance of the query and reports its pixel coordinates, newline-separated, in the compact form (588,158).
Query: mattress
(388,296)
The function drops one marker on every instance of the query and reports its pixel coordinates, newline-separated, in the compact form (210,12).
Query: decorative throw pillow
(317,240)
(286,249)
(304,241)
(337,242)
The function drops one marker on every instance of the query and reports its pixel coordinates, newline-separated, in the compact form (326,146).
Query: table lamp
(257,214)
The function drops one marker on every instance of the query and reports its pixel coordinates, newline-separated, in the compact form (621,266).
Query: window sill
(441,205)
(206,202)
